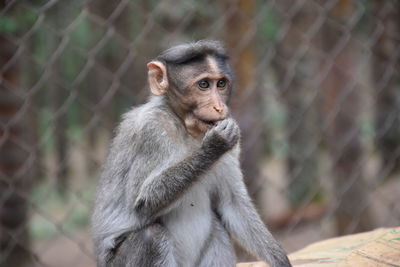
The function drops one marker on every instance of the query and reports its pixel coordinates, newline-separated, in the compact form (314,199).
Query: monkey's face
(198,92)
(202,89)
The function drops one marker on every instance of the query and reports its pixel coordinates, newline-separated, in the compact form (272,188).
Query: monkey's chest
(190,223)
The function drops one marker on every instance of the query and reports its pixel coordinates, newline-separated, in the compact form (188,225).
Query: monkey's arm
(161,190)
(242,220)
(170,182)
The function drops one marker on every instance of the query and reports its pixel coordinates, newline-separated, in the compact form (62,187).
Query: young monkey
(171,192)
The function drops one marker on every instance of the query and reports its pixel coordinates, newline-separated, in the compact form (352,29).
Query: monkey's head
(196,81)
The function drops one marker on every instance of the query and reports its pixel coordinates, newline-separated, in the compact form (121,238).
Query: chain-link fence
(318,102)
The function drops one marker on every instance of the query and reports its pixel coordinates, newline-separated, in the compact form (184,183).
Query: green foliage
(275,121)
(367,128)
(86,35)
(269,24)
(8,25)
(364,26)
(69,212)
(45,122)
(72,64)
(41,228)
(18,22)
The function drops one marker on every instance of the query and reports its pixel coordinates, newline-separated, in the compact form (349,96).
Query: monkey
(171,192)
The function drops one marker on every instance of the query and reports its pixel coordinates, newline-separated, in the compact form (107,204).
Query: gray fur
(168,199)
(182,54)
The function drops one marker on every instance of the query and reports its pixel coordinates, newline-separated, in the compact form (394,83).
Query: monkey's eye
(221,83)
(204,84)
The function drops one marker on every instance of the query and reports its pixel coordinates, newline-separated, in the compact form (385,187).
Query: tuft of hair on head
(184,53)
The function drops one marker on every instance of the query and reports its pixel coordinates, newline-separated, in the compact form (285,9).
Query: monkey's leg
(150,247)
(219,250)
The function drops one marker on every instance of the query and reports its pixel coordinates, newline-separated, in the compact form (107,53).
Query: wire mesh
(318,102)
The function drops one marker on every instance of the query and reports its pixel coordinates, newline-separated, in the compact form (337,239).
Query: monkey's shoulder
(151,123)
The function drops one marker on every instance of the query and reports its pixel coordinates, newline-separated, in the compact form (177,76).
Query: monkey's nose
(218,109)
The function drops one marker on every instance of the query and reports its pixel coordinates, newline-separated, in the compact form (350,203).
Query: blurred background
(318,102)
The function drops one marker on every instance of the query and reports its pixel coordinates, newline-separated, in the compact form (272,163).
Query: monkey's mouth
(210,122)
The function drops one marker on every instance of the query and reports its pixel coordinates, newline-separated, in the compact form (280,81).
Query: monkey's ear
(157,75)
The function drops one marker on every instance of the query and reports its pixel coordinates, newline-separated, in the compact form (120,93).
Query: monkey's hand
(221,138)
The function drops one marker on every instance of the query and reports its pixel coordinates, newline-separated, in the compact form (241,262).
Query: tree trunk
(295,66)
(386,76)
(341,103)
(15,164)
(109,59)
(57,95)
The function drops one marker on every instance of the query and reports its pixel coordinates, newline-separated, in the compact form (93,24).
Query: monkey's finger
(232,125)
(229,128)
(231,122)
(230,140)
(237,129)
(235,134)
(221,126)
